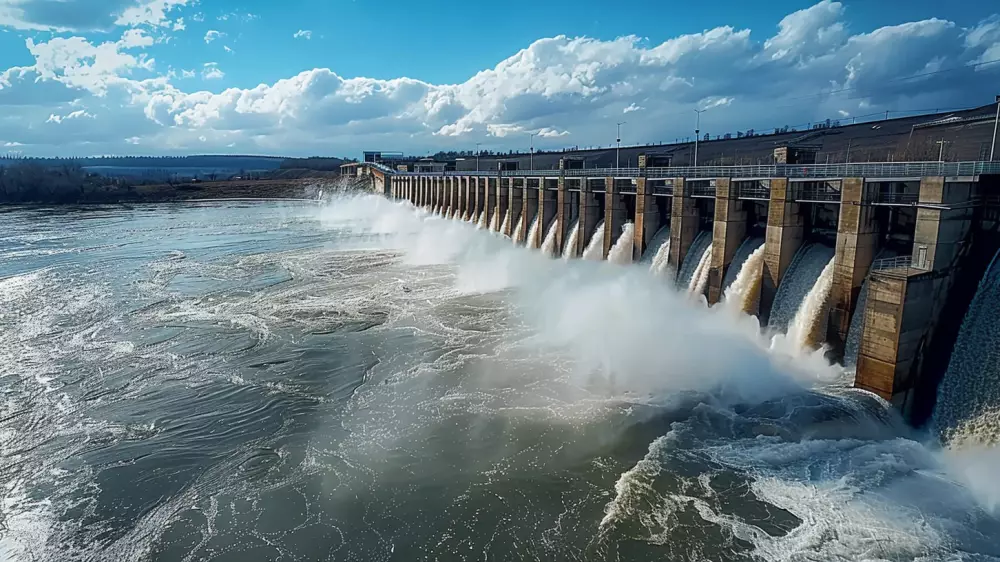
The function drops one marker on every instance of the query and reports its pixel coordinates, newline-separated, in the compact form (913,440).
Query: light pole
(477,155)
(697,131)
(531,151)
(997,118)
(618,139)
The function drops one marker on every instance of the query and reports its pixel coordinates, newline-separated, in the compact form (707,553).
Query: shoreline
(299,189)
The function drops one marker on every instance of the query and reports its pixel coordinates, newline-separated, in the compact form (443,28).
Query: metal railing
(899,266)
(701,190)
(862,170)
(757,190)
(816,191)
(892,198)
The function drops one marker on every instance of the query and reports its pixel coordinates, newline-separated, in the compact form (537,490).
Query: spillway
(656,244)
(693,259)
(660,260)
(569,251)
(517,236)
(505,224)
(549,244)
(483,217)
(808,326)
(968,402)
(853,342)
(743,253)
(533,233)
(621,252)
(699,279)
(743,293)
(798,281)
(595,248)
(495,222)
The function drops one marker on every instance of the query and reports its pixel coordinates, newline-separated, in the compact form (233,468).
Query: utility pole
(477,155)
(697,132)
(618,139)
(997,118)
(531,151)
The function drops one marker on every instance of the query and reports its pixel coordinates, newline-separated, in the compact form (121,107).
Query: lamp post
(618,139)
(697,131)
(531,151)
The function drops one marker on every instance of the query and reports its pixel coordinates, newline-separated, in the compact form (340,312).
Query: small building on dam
(889,254)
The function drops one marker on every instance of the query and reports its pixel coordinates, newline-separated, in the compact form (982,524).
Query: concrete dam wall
(860,259)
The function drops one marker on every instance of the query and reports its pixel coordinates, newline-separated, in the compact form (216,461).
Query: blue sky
(313,77)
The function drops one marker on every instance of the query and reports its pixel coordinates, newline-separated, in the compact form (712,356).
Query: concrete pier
(566,216)
(615,213)
(547,208)
(515,206)
(684,224)
(529,210)
(905,297)
(591,213)
(785,234)
(729,231)
(857,243)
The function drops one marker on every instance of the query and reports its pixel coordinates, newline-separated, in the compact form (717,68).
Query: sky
(336,77)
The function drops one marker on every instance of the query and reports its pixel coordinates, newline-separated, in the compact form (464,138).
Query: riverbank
(302,188)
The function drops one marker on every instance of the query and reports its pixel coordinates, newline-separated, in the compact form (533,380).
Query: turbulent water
(699,279)
(744,292)
(506,222)
(518,235)
(549,244)
(660,261)
(693,259)
(656,244)
(798,280)
(533,241)
(594,250)
(743,253)
(968,404)
(361,381)
(621,251)
(569,251)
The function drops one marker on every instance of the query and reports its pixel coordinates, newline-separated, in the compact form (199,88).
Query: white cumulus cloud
(211,71)
(816,64)
(303,34)
(212,35)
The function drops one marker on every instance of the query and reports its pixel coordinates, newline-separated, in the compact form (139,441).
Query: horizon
(175,78)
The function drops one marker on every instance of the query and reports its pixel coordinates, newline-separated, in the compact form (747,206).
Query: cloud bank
(567,90)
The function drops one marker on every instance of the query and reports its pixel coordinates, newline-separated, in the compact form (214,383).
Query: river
(360,381)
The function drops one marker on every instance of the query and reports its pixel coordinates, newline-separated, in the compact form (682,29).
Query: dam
(889,251)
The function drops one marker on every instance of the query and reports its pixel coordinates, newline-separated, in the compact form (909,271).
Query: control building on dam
(909,240)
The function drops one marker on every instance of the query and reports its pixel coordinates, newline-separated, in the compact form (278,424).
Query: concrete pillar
(785,233)
(464,191)
(614,214)
(857,243)
(591,213)
(547,207)
(504,185)
(906,304)
(564,216)
(647,219)
(684,218)
(729,229)
(529,210)
(515,205)
(492,188)
(481,185)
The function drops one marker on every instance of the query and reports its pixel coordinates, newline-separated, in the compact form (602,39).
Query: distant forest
(70,180)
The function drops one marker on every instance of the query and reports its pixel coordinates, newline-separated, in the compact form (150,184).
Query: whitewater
(366,380)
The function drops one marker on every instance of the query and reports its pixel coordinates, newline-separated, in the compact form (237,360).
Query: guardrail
(890,198)
(899,266)
(862,170)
